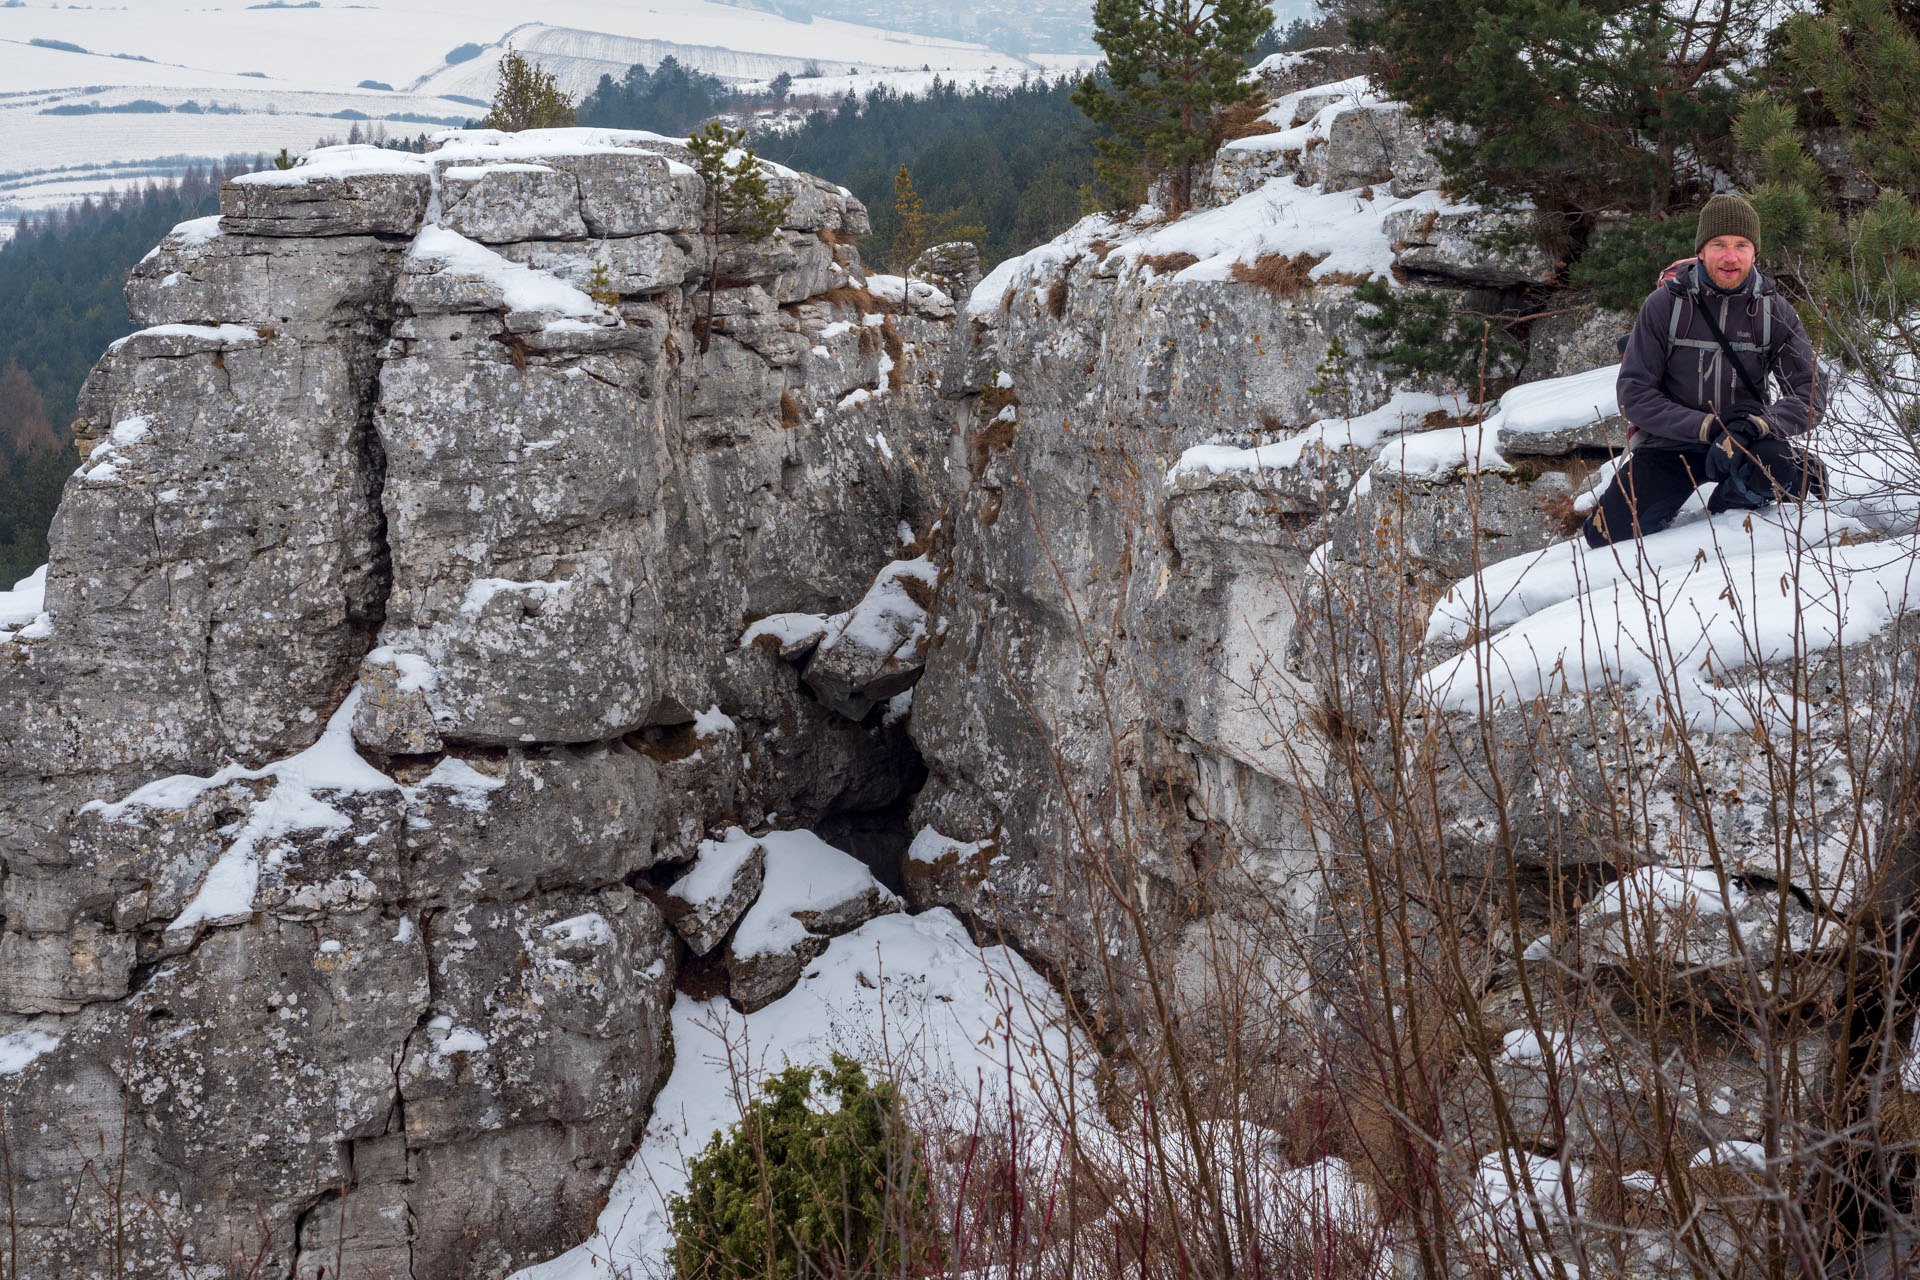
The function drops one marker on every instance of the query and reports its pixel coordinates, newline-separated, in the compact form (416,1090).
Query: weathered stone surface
(953,268)
(496,203)
(1574,341)
(1481,247)
(391,200)
(703,905)
(632,193)
(632,266)
(1375,145)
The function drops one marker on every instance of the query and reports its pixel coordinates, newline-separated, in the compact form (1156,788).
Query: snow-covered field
(288,75)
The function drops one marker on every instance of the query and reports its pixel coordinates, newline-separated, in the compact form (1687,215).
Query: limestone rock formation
(416,531)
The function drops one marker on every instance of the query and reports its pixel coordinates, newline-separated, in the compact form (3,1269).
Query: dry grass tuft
(1345,277)
(1279,275)
(1166,263)
(995,437)
(853,295)
(1057,298)
(1241,120)
(791,413)
(896,349)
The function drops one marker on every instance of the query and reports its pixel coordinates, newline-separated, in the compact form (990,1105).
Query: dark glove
(1742,483)
(1745,428)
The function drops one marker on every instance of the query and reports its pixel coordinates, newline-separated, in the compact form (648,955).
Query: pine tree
(528,98)
(1170,65)
(1576,108)
(738,200)
(910,236)
(1857,65)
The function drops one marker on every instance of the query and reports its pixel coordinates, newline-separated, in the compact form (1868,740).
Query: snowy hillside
(90,98)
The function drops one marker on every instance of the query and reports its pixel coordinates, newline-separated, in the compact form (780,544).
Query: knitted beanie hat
(1727,215)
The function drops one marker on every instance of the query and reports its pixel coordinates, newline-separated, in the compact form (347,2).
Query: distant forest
(62,278)
(1006,168)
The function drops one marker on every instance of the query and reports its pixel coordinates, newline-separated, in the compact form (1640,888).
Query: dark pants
(1653,484)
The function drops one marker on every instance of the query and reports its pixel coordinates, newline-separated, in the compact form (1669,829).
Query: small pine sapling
(738,201)
(909,237)
(1414,331)
(600,286)
(528,98)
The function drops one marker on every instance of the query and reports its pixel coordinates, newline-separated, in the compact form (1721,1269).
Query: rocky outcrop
(420,524)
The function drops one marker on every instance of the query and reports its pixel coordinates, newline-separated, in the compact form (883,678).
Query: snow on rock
(791,634)
(19,1049)
(810,892)
(445,1039)
(214,335)
(470,789)
(590,929)
(521,288)
(21,605)
(1559,415)
(1665,616)
(1405,412)
(1284,217)
(877,648)
(481,593)
(1461,447)
(1043,262)
(353,160)
(1688,919)
(331,765)
(911,295)
(197,231)
(966,1028)
(716,891)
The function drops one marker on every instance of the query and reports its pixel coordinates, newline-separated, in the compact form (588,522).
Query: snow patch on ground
(955,1016)
(1674,611)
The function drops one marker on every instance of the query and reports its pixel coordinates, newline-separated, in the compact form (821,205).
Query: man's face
(1729,260)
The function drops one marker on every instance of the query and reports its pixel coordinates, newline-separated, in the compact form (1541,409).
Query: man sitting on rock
(1693,388)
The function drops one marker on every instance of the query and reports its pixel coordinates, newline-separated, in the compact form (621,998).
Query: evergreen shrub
(794,1190)
(1622,263)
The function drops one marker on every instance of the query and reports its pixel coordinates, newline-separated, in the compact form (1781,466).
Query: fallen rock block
(716,891)
(811,892)
(879,647)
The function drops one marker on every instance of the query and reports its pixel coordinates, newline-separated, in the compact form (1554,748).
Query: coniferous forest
(62,278)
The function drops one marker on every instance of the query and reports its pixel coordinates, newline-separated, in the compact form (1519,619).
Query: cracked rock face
(395,622)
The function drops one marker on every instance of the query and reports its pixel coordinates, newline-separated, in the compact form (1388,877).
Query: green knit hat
(1727,215)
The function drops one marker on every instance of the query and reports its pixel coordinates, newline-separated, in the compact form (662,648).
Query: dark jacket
(1675,384)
